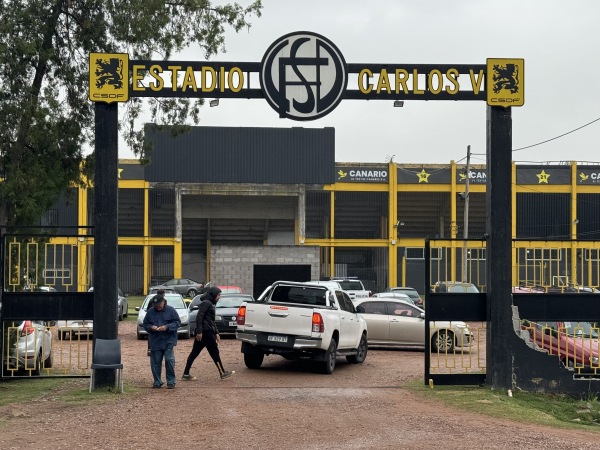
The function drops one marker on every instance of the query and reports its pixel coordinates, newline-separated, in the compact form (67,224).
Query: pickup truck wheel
(361,352)
(443,341)
(328,365)
(121,315)
(254,359)
(192,293)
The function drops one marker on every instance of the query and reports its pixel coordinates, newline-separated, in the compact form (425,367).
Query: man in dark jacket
(161,322)
(207,334)
(159,293)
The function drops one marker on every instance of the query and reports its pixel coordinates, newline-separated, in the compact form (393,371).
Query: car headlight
(218,318)
(593,360)
(184,318)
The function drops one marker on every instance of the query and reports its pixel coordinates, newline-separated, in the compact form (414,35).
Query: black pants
(209,340)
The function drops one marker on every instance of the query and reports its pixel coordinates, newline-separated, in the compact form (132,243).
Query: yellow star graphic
(119,175)
(543,177)
(342,174)
(423,176)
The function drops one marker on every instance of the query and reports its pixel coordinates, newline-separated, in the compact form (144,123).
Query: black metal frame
(449,306)
(46,306)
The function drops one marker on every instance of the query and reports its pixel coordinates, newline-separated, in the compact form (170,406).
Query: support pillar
(106,201)
(499,247)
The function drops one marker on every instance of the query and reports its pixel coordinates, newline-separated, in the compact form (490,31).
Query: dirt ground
(285,404)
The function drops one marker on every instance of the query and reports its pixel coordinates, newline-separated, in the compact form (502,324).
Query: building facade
(244,206)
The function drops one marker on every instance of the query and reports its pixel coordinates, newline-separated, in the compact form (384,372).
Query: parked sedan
(455,287)
(230,289)
(395,322)
(411,292)
(397,295)
(174,300)
(225,311)
(183,286)
(33,349)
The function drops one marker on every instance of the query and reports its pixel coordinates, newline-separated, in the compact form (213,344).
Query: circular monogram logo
(303,76)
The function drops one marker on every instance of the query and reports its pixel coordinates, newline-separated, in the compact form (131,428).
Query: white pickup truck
(302,320)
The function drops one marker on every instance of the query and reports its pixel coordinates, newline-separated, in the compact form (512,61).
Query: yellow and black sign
(505,83)
(109,77)
(291,75)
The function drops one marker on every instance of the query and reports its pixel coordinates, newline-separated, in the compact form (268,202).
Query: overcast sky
(559,41)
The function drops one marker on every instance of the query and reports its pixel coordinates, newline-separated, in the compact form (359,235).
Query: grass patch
(68,390)
(132,302)
(541,409)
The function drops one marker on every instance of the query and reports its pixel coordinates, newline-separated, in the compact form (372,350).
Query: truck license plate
(233,324)
(277,338)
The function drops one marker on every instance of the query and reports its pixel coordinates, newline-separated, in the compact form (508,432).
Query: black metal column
(106,190)
(499,259)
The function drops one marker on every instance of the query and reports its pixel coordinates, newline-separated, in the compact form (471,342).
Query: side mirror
(194,308)
(422,315)
(360,309)
(137,308)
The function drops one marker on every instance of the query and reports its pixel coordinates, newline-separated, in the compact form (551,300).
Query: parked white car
(176,301)
(33,349)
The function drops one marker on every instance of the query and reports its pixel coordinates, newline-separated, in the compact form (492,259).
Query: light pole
(466,218)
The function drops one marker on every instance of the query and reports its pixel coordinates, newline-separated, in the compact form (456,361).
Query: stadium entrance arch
(304,76)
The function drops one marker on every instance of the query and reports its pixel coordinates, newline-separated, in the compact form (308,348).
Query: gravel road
(285,404)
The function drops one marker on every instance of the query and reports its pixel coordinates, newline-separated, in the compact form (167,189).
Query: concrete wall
(235,265)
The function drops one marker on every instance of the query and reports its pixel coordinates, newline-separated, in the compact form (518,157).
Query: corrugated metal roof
(242,155)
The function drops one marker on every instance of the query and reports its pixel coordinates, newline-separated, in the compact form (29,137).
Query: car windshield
(462,288)
(411,293)
(172,300)
(230,302)
(582,329)
(351,285)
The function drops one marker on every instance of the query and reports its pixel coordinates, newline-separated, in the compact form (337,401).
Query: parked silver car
(30,346)
(184,286)
(391,321)
(397,295)
(174,300)
(411,292)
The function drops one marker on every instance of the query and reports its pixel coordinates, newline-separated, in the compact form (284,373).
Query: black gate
(46,310)
(555,312)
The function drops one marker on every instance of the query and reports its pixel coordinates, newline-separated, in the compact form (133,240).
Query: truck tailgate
(282,319)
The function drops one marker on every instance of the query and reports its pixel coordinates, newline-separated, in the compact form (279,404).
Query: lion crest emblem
(506,77)
(109,72)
